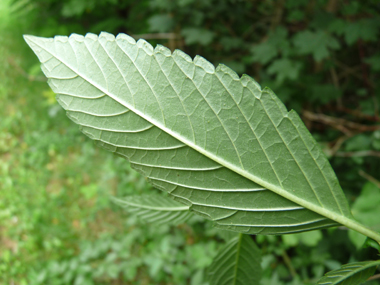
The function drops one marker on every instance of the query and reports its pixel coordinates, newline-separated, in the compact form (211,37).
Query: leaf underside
(238,262)
(155,208)
(215,142)
(350,274)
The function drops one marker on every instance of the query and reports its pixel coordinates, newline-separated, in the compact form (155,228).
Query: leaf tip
(117,201)
(37,44)
(29,39)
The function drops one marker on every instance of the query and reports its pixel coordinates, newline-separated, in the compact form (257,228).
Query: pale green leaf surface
(214,141)
(238,262)
(350,274)
(155,208)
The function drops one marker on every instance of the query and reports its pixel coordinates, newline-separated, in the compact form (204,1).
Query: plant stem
(377,276)
(289,264)
(369,178)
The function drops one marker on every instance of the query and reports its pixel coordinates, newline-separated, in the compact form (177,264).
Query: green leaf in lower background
(366,209)
(285,68)
(214,141)
(238,262)
(318,43)
(371,243)
(197,36)
(365,29)
(155,208)
(161,23)
(352,273)
(275,43)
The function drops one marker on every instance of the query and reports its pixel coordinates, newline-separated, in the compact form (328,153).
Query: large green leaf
(352,273)
(155,208)
(238,262)
(214,141)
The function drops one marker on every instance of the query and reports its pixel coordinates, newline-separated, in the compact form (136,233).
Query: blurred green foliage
(57,224)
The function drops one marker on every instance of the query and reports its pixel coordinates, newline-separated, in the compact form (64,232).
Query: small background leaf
(238,263)
(352,273)
(197,36)
(155,208)
(317,43)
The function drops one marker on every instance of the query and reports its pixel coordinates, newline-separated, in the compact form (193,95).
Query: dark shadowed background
(57,223)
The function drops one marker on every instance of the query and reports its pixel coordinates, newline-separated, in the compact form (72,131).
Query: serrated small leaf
(237,262)
(155,208)
(318,43)
(350,274)
(214,141)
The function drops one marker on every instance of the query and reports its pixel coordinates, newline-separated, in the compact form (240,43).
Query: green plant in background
(213,141)
(321,56)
